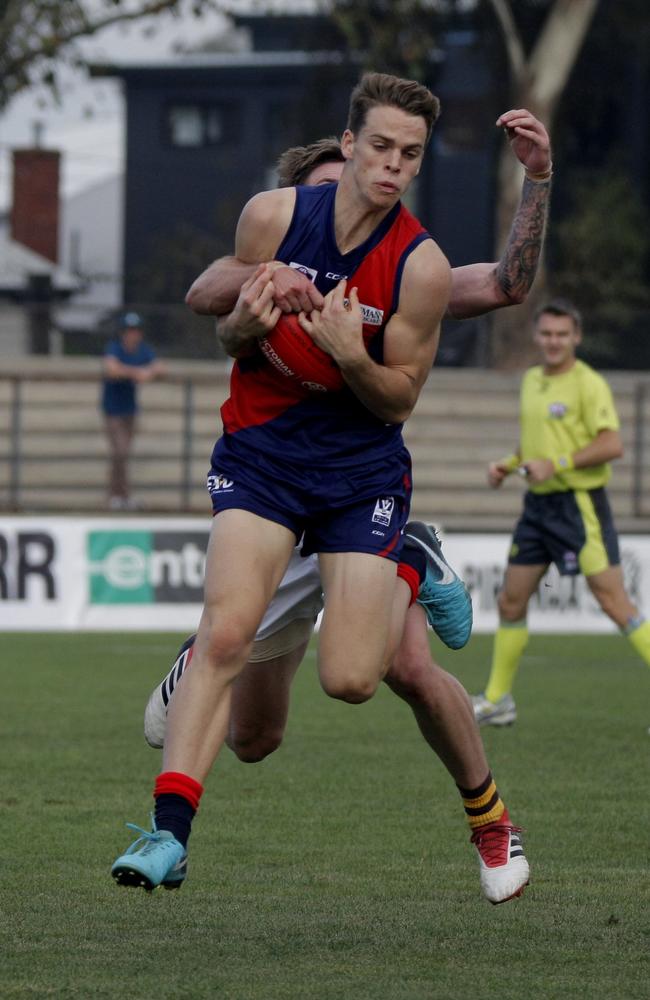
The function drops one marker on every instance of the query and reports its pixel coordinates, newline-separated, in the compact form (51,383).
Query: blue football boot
(155,858)
(443,595)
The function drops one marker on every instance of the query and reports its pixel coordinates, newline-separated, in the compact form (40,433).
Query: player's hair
(560,307)
(375,89)
(296,163)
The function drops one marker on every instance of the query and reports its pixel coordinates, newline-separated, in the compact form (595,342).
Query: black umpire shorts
(575,530)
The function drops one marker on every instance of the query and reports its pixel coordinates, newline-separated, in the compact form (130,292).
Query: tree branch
(58,32)
(557,46)
(512,40)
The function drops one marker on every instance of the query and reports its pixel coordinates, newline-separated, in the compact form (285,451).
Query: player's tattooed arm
(517,268)
(480,288)
(530,143)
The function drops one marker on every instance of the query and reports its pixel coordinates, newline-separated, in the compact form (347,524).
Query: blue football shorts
(363,509)
(575,530)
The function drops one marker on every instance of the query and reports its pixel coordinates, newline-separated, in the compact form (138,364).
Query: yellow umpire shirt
(559,415)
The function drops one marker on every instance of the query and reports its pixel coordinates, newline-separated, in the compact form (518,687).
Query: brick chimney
(35,205)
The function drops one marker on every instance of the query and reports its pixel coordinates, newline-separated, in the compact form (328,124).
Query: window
(192,125)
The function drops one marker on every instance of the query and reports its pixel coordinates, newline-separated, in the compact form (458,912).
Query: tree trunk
(536,84)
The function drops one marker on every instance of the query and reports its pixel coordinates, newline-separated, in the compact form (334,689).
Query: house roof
(18,263)
(189,62)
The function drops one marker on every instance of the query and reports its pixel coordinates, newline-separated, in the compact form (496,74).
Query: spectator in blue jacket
(128,361)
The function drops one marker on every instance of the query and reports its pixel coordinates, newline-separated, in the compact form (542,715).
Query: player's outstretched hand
(528,139)
(293,291)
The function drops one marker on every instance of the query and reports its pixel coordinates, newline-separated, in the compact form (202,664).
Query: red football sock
(176,783)
(410,577)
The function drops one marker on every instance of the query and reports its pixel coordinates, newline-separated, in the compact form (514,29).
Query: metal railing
(193,414)
(18,443)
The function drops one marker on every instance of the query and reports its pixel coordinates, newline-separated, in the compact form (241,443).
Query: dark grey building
(204,132)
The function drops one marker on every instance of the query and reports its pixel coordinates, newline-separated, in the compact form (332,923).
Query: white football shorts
(288,622)
(299,595)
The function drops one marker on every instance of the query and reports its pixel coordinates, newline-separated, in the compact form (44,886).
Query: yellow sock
(640,639)
(509,643)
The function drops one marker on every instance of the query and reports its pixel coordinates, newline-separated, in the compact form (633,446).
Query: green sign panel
(119,567)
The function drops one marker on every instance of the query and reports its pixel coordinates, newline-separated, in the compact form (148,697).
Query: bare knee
(617,607)
(224,642)
(510,609)
(253,745)
(408,676)
(353,690)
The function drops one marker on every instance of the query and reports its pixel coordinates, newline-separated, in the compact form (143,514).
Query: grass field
(340,868)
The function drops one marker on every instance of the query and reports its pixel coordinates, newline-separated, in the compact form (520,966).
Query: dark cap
(131,320)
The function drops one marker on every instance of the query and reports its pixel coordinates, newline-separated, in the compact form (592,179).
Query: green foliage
(391,37)
(164,276)
(36,36)
(177,257)
(338,869)
(602,251)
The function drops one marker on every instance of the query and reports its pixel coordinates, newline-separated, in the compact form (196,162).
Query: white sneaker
(504,869)
(155,720)
(155,714)
(490,713)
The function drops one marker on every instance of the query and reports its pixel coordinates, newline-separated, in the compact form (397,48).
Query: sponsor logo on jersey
(275,358)
(372,316)
(314,386)
(219,484)
(383,511)
(336,277)
(307,271)
(557,410)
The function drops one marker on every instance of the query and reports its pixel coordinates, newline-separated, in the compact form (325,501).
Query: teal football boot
(155,858)
(443,595)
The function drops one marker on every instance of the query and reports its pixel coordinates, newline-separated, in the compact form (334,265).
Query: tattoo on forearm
(518,265)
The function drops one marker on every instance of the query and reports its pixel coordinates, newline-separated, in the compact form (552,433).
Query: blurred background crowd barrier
(53,451)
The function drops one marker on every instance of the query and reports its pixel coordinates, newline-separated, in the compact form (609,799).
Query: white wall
(91,243)
(117,573)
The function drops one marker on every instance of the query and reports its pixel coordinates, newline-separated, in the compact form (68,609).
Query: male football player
(261,693)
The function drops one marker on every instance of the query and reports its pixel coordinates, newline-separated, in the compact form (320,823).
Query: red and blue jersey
(273,421)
